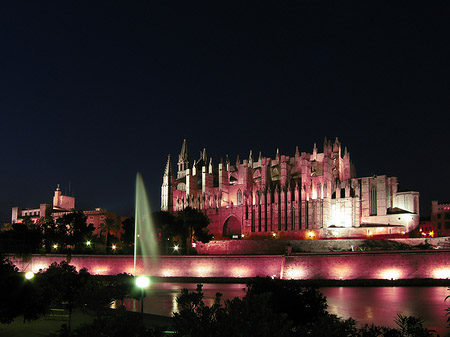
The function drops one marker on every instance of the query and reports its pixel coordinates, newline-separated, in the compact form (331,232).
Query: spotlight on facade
(311,235)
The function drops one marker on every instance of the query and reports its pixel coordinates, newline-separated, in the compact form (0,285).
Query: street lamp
(142,282)
(29,275)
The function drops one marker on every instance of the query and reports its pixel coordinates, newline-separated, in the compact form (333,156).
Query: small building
(63,204)
(440,218)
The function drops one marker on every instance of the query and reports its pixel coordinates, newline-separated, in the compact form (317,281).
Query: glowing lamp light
(113,247)
(55,246)
(175,248)
(29,275)
(88,243)
(311,235)
(203,271)
(142,282)
(296,273)
(274,234)
(431,233)
(390,274)
(441,273)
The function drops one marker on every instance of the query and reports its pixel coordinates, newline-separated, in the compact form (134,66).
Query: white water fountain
(145,245)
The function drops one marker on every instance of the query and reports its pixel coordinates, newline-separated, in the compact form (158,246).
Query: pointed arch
(232,226)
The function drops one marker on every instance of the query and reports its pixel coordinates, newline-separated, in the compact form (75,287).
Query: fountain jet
(145,245)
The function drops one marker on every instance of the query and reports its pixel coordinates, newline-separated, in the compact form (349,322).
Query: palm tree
(106,228)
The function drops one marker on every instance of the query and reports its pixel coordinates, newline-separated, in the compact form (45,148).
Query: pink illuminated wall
(351,265)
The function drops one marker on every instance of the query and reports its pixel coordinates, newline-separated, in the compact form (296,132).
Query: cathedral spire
(183,160)
(184,155)
(250,158)
(297,153)
(203,156)
(168,170)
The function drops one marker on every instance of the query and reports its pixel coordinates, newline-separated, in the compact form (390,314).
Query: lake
(378,305)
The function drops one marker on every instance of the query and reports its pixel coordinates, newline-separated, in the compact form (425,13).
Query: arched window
(239,197)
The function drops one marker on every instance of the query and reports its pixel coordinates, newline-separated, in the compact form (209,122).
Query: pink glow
(341,272)
(100,270)
(390,274)
(240,272)
(203,271)
(295,274)
(168,272)
(441,273)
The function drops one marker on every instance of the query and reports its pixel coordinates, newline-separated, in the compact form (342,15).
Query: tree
(19,296)
(9,289)
(106,227)
(73,230)
(166,228)
(127,236)
(23,238)
(62,284)
(301,304)
(191,224)
(250,316)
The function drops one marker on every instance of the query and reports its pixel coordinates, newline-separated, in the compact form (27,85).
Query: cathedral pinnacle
(168,170)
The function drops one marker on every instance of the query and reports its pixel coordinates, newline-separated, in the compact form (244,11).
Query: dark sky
(92,91)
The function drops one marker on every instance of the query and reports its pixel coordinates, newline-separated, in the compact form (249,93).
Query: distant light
(29,275)
(311,234)
(113,247)
(175,248)
(274,234)
(194,244)
(55,246)
(88,243)
(142,281)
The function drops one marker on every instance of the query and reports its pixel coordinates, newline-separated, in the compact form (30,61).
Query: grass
(44,326)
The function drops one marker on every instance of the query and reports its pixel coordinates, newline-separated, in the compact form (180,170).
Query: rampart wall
(349,265)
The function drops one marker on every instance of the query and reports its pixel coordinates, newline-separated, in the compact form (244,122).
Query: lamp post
(29,275)
(142,282)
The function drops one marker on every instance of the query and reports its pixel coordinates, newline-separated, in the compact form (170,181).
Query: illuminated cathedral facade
(305,196)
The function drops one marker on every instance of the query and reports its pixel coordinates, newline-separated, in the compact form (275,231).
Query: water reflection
(378,305)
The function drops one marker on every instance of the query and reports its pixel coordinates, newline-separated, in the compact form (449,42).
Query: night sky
(93,92)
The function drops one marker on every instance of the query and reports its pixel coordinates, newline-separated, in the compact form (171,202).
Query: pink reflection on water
(380,305)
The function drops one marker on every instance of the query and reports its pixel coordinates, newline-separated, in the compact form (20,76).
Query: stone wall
(348,265)
(275,246)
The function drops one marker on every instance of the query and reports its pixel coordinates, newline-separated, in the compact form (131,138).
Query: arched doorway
(232,226)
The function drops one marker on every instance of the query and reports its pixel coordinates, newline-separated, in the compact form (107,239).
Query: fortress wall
(248,247)
(348,265)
